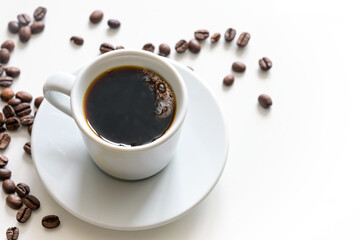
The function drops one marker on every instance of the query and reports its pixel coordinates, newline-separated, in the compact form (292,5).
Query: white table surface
(292,171)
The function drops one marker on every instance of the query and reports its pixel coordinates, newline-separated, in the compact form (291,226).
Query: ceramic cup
(66,92)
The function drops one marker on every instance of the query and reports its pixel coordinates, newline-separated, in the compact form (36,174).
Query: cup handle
(57,90)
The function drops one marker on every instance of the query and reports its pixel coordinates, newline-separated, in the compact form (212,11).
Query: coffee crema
(129,106)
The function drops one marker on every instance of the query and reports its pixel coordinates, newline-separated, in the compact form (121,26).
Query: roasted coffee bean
(215,37)
(12,71)
(149,47)
(2,69)
(2,119)
(119,47)
(13,26)
(4,172)
(243,39)
(24,96)
(38,101)
(12,233)
(24,34)
(265,64)
(265,100)
(30,129)
(12,123)
(37,27)
(114,23)
(4,55)
(77,40)
(14,201)
(201,34)
(229,80)
(50,221)
(27,148)
(194,46)
(24,19)
(27,120)
(3,160)
(238,67)
(181,46)
(8,111)
(9,45)
(22,189)
(23,214)
(96,16)
(6,81)
(32,202)
(230,34)
(164,50)
(7,94)
(106,47)
(40,13)
(5,140)
(8,186)
(14,102)
(24,112)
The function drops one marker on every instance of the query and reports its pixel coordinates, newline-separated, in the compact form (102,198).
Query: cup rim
(180,112)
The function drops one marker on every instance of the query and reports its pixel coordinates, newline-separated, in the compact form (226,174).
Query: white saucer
(74,181)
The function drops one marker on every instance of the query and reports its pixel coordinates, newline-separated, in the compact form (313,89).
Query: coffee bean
(5,140)
(194,46)
(12,233)
(164,50)
(8,111)
(9,45)
(32,202)
(2,69)
(3,160)
(114,23)
(96,16)
(228,80)
(238,67)
(4,172)
(27,148)
(243,39)
(12,123)
(38,101)
(24,19)
(23,214)
(77,40)
(265,64)
(4,55)
(106,47)
(8,186)
(30,129)
(6,81)
(22,189)
(24,112)
(201,34)
(13,27)
(27,120)
(230,34)
(2,129)
(50,221)
(14,201)
(181,46)
(24,34)
(12,71)
(40,13)
(215,37)
(2,119)
(149,47)
(265,100)
(119,47)
(37,27)
(24,96)
(14,102)
(7,94)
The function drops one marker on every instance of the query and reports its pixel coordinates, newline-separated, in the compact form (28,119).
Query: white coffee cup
(129,163)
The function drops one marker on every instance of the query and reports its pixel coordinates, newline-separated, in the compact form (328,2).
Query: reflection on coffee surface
(129,106)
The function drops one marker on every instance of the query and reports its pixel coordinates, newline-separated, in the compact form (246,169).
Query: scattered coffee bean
(149,47)
(23,112)
(7,94)
(96,16)
(8,111)
(38,101)
(12,123)
(265,64)
(194,46)
(30,129)
(12,233)
(201,34)
(2,69)
(14,201)
(265,100)
(106,47)
(4,173)
(24,96)
(243,39)
(181,46)
(27,147)
(164,50)
(215,37)
(37,27)
(23,214)
(25,34)
(114,23)
(230,34)
(50,221)
(32,202)
(13,27)
(27,120)
(229,80)
(119,47)
(8,186)
(9,45)
(238,67)
(77,40)
(22,189)
(12,71)
(3,160)
(40,13)
(14,102)
(24,19)
(4,55)
(2,119)
(5,140)
(6,81)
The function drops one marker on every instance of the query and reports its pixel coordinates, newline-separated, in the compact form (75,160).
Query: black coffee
(129,106)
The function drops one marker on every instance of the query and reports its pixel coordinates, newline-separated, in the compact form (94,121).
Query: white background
(292,171)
